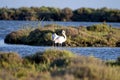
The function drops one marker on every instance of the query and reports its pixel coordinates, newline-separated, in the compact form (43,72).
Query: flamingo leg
(53,44)
(61,44)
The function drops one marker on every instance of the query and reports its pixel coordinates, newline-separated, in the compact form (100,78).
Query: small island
(98,35)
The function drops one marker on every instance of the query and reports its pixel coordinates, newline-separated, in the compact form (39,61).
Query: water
(104,53)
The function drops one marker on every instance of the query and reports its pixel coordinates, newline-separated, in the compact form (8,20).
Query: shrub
(40,37)
(11,58)
(72,31)
(89,68)
(99,28)
(51,57)
(17,37)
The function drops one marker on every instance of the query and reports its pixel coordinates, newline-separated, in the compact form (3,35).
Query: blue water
(104,53)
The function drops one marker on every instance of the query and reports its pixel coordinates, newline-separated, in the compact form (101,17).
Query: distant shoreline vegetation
(56,14)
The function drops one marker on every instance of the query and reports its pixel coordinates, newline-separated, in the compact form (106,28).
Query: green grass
(98,35)
(56,65)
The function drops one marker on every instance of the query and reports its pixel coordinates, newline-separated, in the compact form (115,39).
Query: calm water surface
(104,53)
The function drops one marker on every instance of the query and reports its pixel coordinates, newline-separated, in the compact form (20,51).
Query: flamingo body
(54,36)
(60,39)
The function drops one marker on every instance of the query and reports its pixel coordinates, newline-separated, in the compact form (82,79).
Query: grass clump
(51,57)
(99,27)
(17,37)
(14,66)
(40,37)
(10,58)
(55,65)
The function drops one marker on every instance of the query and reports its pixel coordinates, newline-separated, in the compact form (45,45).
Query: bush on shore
(95,35)
(55,65)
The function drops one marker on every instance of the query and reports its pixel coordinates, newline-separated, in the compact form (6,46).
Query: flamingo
(60,39)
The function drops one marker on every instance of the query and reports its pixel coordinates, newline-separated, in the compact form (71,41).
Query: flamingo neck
(64,36)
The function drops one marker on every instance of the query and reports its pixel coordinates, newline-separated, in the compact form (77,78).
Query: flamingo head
(63,31)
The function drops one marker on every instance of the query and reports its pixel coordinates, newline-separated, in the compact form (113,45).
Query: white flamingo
(60,39)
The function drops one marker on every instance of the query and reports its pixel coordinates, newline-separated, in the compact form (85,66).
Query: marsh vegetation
(56,65)
(98,35)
